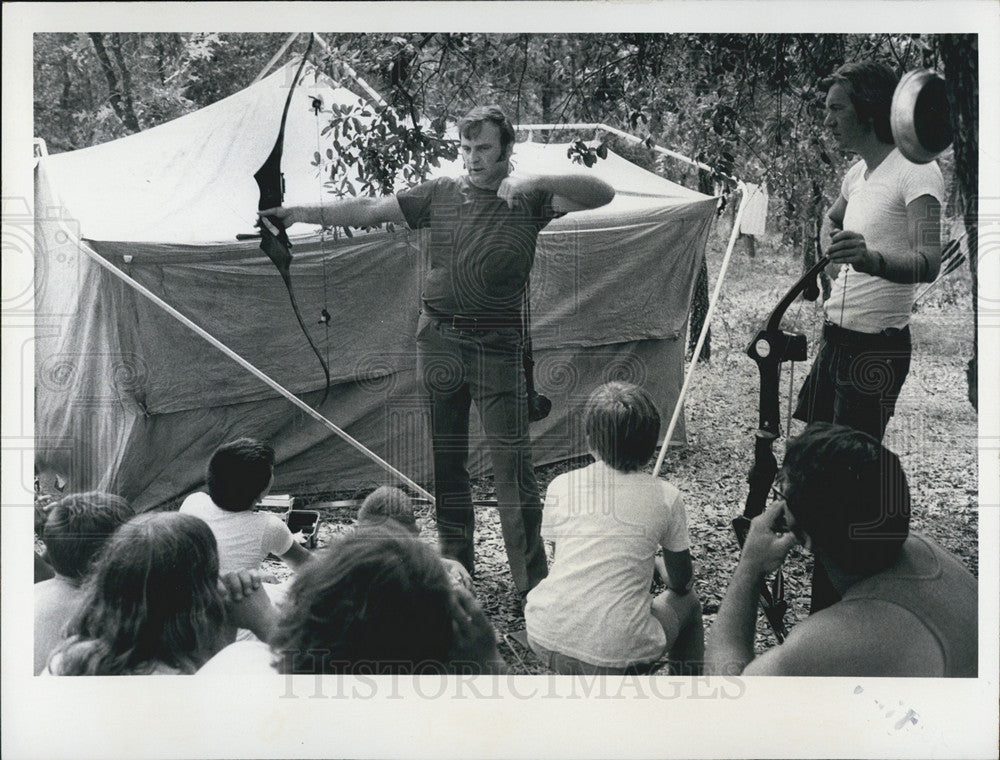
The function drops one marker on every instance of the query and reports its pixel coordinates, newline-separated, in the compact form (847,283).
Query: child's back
(594,613)
(244,538)
(76,529)
(608,526)
(56,601)
(239,474)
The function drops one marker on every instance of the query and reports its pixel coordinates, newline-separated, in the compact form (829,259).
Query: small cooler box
(306,521)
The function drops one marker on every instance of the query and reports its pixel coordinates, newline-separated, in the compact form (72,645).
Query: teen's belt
(460,322)
(841,336)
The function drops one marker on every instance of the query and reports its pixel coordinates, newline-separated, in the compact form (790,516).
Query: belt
(888,338)
(459,322)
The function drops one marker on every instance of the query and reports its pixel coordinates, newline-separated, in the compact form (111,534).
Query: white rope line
(626,136)
(266,379)
(704,329)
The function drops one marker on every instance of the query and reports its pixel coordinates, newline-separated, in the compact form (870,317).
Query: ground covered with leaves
(934,431)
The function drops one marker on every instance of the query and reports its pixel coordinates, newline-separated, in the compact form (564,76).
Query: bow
(273,238)
(769,348)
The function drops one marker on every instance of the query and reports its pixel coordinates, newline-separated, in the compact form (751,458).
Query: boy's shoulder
(670,491)
(54,591)
(198,503)
(601,475)
(644,480)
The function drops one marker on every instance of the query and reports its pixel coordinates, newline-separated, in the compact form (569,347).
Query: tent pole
(275,57)
(266,379)
(704,331)
(372,92)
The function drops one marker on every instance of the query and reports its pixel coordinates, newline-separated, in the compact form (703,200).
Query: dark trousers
(458,367)
(856,379)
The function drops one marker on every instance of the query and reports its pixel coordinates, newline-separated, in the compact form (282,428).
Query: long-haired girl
(152,604)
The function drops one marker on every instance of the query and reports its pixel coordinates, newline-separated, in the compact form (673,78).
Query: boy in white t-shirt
(593,614)
(240,474)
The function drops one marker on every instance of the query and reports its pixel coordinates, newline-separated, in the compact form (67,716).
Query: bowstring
(317,104)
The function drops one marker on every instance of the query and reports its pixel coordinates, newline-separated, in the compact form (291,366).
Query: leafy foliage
(749,105)
(373,146)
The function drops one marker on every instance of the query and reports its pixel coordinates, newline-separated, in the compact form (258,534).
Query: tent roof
(190,180)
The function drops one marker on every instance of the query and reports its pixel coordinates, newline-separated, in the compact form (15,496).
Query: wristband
(879,268)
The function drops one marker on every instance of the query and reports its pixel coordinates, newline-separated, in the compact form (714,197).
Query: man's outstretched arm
(346,212)
(730,642)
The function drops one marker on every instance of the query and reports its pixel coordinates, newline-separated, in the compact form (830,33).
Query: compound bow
(769,348)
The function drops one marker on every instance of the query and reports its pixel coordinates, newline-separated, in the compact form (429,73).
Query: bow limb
(282,259)
(273,238)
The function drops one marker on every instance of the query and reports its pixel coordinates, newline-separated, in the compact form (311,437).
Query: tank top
(935,587)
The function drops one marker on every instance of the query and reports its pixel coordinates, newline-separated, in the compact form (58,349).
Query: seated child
(75,529)
(593,613)
(373,602)
(388,507)
(240,474)
(153,604)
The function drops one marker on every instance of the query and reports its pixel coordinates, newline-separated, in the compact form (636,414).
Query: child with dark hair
(593,614)
(75,530)
(152,604)
(371,602)
(390,508)
(239,475)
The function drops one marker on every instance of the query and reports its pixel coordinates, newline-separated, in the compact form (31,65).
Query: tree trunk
(699,303)
(699,310)
(812,239)
(122,105)
(960,53)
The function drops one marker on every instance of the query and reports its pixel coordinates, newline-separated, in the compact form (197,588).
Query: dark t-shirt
(481,251)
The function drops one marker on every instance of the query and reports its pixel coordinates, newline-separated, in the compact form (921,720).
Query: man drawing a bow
(483,230)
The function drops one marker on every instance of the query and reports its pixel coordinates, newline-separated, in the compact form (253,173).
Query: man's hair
(153,598)
(238,473)
(849,494)
(622,425)
(77,528)
(870,85)
(387,505)
(470,124)
(378,599)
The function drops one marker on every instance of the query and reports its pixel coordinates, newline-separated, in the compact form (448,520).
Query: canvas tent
(130,400)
